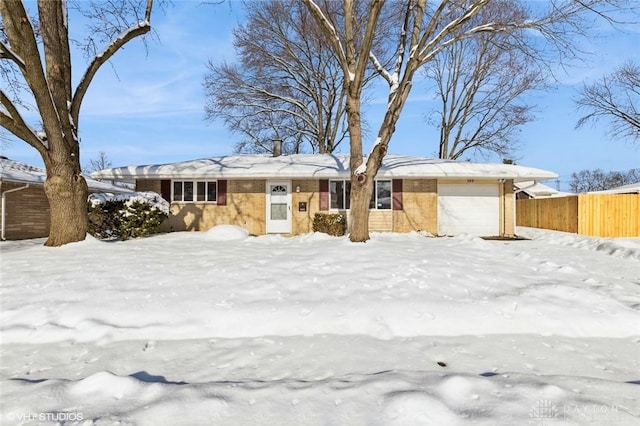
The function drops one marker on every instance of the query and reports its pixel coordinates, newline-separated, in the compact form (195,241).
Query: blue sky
(148,106)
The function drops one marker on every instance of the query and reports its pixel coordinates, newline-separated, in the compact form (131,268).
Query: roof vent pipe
(277,147)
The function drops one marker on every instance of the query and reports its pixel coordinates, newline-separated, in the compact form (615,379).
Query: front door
(279,207)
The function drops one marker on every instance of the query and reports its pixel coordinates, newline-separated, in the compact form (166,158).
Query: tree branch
(368,38)
(14,123)
(7,53)
(131,33)
(329,29)
(615,98)
(21,36)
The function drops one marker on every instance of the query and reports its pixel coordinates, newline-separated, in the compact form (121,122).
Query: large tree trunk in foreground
(361,190)
(67,193)
(46,70)
(361,184)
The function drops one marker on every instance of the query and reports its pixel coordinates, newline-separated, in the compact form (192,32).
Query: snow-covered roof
(320,166)
(632,188)
(539,190)
(17,172)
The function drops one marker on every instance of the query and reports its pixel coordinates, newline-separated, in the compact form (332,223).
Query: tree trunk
(361,190)
(361,184)
(67,193)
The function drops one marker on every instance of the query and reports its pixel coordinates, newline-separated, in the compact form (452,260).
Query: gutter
(4,202)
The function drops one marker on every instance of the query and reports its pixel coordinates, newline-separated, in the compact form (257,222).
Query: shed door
(279,207)
(468,209)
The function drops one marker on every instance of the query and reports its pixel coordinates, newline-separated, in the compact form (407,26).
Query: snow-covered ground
(224,329)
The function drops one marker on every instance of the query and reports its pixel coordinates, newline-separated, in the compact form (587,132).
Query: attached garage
(469,208)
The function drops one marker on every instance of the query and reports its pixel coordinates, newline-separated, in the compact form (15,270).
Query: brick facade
(419,207)
(148,185)
(26,212)
(309,193)
(509,210)
(415,210)
(245,206)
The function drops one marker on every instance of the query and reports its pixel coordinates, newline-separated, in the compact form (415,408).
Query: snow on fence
(596,215)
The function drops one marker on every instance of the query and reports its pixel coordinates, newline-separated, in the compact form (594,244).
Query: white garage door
(469,209)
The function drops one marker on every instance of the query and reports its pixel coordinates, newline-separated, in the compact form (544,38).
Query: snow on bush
(152,198)
(126,216)
(227,233)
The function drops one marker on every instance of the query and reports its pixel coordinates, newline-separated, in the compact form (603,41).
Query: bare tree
(97,164)
(287,84)
(425,31)
(480,82)
(100,163)
(48,81)
(614,98)
(598,180)
(257,114)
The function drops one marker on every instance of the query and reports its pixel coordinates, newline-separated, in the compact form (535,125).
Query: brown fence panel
(527,213)
(560,214)
(609,215)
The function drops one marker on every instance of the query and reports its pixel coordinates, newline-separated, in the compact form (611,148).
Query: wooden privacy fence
(596,215)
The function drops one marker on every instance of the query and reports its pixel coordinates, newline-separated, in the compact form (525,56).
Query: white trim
(195,190)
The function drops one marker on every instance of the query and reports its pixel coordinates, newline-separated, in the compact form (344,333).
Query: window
(200,191)
(340,192)
(382,195)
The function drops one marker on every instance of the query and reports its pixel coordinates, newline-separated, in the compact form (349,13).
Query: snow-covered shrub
(227,233)
(330,223)
(124,216)
(104,218)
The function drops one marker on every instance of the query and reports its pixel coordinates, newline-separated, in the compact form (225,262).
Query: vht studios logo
(58,417)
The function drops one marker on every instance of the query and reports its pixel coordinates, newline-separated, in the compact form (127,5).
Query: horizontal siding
(381,220)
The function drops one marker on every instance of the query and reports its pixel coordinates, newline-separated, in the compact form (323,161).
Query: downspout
(4,203)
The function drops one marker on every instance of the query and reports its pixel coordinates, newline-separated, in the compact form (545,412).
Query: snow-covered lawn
(223,329)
